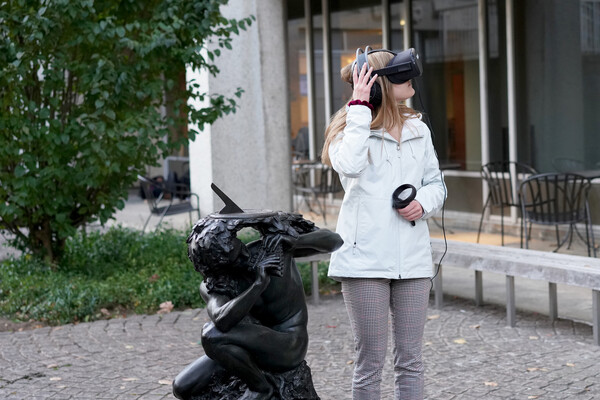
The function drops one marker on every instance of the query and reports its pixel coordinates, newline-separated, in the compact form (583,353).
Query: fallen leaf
(532,397)
(55,378)
(165,307)
(153,278)
(435,316)
(331,326)
(460,341)
(350,362)
(130,379)
(105,312)
(165,382)
(494,384)
(531,369)
(129,346)
(533,337)
(570,365)
(428,343)
(50,366)
(475,326)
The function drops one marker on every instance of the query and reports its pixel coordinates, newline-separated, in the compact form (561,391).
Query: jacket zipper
(399,251)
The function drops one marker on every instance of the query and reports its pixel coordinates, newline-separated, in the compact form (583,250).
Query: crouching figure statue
(255,300)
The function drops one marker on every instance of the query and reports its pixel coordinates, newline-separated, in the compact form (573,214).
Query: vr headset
(401,68)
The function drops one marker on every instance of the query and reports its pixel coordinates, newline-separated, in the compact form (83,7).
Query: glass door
(446,36)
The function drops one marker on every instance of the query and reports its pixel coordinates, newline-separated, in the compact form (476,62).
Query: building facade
(503,80)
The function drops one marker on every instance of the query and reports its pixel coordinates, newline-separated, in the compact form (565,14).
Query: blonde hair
(387,115)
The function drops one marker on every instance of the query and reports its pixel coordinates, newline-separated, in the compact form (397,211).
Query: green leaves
(119,269)
(82,85)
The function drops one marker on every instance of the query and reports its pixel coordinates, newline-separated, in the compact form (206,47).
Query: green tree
(82,86)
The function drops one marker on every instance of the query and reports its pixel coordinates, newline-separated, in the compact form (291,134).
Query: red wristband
(361,103)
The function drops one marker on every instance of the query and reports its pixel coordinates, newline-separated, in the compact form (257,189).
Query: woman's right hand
(362,83)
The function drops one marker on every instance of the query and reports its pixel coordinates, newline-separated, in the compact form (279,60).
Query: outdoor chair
(503,178)
(168,199)
(300,182)
(557,199)
(327,182)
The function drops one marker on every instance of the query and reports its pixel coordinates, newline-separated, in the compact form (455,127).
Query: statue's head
(218,254)
(213,246)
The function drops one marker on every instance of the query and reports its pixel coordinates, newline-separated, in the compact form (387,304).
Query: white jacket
(378,242)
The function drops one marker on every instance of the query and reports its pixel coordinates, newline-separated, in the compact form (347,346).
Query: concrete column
(247,154)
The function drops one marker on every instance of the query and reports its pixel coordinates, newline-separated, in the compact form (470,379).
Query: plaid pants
(368,302)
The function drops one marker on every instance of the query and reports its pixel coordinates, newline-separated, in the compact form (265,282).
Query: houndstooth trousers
(369,301)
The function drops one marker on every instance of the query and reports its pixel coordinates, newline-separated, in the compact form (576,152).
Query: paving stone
(469,353)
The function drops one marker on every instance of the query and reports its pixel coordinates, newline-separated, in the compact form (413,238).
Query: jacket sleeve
(433,191)
(349,152)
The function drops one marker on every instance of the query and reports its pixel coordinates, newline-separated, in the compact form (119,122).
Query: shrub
(82,88)
(326,284)
(119,270)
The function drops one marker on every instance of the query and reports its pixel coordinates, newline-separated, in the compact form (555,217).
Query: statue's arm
(225,312)
(319,241)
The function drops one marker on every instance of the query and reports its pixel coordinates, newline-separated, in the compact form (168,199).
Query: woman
(385,263)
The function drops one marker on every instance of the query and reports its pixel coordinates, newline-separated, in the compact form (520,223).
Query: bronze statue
(255,299)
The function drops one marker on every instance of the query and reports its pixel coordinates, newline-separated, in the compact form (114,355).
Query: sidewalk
(469,352)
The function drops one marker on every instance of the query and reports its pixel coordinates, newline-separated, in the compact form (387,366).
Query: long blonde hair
(387,115)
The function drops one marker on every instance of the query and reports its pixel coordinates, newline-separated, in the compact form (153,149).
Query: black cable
(428,123)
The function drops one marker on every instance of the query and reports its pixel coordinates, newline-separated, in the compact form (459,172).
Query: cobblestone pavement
(469,354)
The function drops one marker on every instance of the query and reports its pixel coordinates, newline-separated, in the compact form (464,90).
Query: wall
(247,154)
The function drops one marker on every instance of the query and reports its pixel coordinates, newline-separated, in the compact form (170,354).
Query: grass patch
(106,274)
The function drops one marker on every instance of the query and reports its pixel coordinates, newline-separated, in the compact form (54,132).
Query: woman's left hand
(412,212)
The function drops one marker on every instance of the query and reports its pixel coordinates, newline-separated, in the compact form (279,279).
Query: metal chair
(300,183)
(557,199)
(327,182)
(161,199)
(503,178)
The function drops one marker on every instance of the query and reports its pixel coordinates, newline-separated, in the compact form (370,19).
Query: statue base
(295,384)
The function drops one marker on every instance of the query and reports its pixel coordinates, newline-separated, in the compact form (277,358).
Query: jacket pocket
(376,236)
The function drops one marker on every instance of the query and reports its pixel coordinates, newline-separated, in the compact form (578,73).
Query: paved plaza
(469,354)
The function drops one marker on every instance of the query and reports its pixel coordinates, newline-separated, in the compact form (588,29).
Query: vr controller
(402,197)
(401,68)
